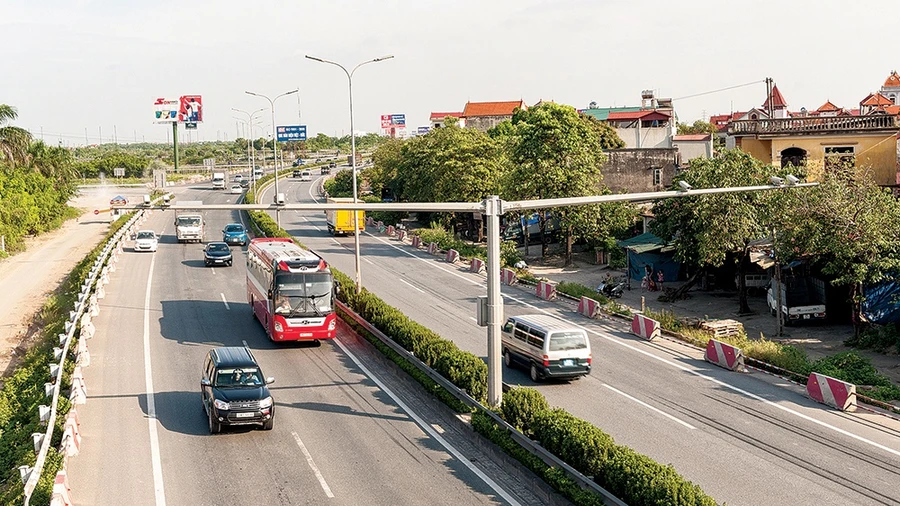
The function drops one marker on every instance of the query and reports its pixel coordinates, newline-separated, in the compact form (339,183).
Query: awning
(645,243)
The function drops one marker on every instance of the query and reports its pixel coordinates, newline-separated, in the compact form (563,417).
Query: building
(652,125)
(692,146)
(891,88)
(486,115)
(636,170)
(437,119)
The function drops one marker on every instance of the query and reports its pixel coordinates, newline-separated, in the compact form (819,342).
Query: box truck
(340,221)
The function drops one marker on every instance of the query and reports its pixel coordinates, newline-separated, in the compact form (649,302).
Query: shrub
(880,338)
(578,290)
(572,439)
(519,406)
(640,481)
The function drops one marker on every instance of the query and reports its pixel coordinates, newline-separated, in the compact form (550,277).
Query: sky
(76,68)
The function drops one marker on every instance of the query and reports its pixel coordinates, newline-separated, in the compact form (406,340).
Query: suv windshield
(560,341)
(234,228)
(238,377)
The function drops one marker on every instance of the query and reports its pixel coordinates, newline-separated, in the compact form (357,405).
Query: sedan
(237,178)
(237,188)
(217,253)
(235,233)
(146,240)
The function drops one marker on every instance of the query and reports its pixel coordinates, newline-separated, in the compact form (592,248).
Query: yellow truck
(340,221)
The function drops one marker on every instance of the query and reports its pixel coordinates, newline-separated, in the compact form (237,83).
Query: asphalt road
(746,439)
(344,431)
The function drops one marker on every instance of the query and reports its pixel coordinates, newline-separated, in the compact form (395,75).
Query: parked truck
(218,181)
(340,221)
(189,226)
(802,299)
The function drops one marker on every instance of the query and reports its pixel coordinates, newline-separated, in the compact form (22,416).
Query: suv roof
(232,356)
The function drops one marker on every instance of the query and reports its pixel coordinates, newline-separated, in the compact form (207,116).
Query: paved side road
(28,277)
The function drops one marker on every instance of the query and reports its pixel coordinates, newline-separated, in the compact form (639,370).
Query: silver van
(548,346)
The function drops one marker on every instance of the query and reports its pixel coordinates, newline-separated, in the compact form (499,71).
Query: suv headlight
(222,405)
(265,403)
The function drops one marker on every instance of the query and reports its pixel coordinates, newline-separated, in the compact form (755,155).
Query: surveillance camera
(167,198)
(793,179)
(279,199)
(146,200)
(684,185)
(776,181)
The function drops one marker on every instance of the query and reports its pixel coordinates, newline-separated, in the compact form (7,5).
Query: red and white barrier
(401,234)
(452,256)
(724,355)
(508,277)
(588,307)
(647,328)
(380,226)
(416,241)
(79,390)
(477,265)
(545,290)
(62,494)
(71,440)
(832,392)
(390,230)
(84,356)
(432,248)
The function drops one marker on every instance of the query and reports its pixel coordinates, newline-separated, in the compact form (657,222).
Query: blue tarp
(882,302)
(657,261)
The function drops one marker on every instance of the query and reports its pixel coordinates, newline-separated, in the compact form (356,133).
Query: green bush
(578,290)
(519,406)
(509,253)
(575,441)
(881,338)
(641,481)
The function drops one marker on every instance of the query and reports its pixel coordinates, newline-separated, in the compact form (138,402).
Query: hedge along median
(23,392)
(575,441)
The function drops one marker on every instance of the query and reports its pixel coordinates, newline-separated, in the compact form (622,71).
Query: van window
(521,335)
(508,326)
(560,341)
(535,341)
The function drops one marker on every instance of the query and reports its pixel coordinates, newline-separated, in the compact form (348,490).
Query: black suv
(234,391)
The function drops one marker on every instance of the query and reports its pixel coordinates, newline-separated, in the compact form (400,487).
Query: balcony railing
(818,124)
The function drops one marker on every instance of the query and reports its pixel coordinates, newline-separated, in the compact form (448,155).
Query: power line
(719,90)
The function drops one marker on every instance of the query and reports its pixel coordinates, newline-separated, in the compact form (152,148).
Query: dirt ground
(817,340)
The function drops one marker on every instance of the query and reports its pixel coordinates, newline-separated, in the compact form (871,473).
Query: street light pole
(275,142)
(353,154)
(250,158)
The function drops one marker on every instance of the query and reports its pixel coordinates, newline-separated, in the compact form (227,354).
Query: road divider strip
(645,327)
(588,307)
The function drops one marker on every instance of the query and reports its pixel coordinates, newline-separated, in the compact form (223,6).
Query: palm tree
(14,141)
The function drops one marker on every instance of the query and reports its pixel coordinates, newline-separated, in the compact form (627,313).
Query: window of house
(657,176)
(839,156)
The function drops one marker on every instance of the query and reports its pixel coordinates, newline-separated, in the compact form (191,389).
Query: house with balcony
(652,125)
(830,137)
(486,115)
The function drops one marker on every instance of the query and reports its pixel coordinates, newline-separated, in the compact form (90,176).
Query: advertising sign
(166,110)
(422,130)
(385,121)
(291,133)
(398,119)
(190,109)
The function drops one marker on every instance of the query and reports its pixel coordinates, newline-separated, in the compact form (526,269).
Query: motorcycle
(613,289)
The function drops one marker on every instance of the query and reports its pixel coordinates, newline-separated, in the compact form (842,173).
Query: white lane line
(427,428)
(312,465)
(225,301)
(473,319)
(667,362)
(642,403)
(405,282)
(367,260)
(151,400)
(335,241)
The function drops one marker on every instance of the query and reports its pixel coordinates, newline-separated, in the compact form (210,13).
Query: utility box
(481,311)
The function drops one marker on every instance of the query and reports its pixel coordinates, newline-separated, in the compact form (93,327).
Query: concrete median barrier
(477,265)
(432,248)
(588,307)
(831,391)
(724,355)
(647,328)
(508,277)
(452,256)
(61,493)
(416,241)
(546,290)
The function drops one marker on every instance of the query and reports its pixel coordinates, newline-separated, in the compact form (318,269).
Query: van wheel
(535,375)
(507,358)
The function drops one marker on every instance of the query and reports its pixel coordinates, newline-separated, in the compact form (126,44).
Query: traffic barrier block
(588,307)
(94,308)
(369,221)
(401,234)
(432,248)
(452,256)
(416,241)
(84,356)
(101,292)
(508,277)
(647,328)
(88,331)
(79,390)
(61,494)
(545,290)
(389,230)
(477,265)
(832,392)
(724,355)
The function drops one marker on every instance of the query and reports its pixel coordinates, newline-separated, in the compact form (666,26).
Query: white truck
(218,181)
(189,226)
(802,299)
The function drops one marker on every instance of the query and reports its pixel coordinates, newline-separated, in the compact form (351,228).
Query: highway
(746,439)
(344,431)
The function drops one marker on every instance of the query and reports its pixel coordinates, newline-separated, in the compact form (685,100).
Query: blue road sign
(398,119)
(291,133)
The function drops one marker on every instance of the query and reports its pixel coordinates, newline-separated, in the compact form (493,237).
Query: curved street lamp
(274,141)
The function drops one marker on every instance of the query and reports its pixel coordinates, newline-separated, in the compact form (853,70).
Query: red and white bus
(291,290)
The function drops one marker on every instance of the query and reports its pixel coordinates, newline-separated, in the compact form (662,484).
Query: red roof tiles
(641,115)
(777,99)
(474,109)
(892,81)
(876,99)
(439,116)
(828,107)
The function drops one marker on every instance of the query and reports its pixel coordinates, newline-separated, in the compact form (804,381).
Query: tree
(706,228)
(848,224)
(556,154)
(609,138)
(14,141)
(699,127)
(383,174)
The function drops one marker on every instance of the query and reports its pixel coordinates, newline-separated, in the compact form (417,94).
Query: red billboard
(190,109)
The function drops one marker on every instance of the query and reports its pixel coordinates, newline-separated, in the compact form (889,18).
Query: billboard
(190,109)
(422,130)
(166,110)
(393,120)
(291,133)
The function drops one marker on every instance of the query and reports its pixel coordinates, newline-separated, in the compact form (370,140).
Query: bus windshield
(303,294)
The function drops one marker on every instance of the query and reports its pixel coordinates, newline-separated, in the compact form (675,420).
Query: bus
(291,291)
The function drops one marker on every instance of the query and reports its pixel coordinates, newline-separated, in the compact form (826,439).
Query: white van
(548,346)
(306,176)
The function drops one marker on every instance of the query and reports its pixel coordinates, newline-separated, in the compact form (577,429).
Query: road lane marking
(473,319)
(410,284)
(663,360)
(159,490)
(427,428)
(225,301)
(312,465)
(367,260)
(642,403)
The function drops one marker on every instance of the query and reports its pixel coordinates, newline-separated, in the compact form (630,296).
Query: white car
(237,178)
(146,240)
(236,188)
